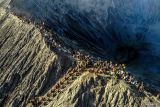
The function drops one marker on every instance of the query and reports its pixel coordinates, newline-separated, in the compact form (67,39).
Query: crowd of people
(84,64)
(49,36)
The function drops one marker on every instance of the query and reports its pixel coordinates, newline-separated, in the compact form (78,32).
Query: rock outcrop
(29,69)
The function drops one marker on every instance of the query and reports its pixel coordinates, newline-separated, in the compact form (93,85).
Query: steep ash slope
(123,31)
(30,70)
(91,90)
(27,66)
(97,84)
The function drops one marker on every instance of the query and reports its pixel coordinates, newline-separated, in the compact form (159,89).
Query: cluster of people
(105,67)
(49,36)
(44,100)
(86,64)
(53,42)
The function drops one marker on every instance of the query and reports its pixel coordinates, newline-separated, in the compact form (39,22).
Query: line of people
(86,64)
(50,37)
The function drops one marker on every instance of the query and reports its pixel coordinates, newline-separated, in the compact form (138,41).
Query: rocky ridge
(27,66)
(34,74)
(99,84)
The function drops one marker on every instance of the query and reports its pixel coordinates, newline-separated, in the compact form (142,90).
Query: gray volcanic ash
(72,53)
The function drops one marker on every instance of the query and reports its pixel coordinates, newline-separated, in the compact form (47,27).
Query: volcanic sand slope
(28,68)
(92,90)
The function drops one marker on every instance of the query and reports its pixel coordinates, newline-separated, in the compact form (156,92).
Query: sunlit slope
(26,63)
(92,90)
(29,69)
